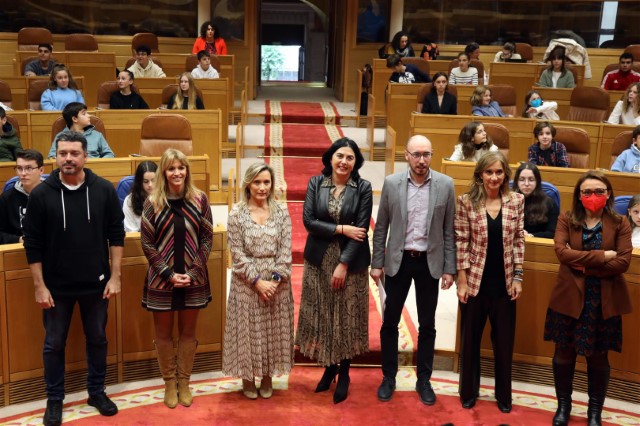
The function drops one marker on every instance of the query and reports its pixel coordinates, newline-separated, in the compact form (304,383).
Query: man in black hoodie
(73,223)
(13,202)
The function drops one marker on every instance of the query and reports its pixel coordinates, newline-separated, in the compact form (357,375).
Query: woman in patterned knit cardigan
(176,235)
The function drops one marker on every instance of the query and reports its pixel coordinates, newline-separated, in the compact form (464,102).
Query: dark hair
(466,137)
(527,98)
(511,47)
(471,47)
(203,30)
(3,113)
(578,213)
(465,54)
(72,110)
(634,201)
(53,84)
(138,194)
(143,48)
(437,76)
(636,132)
(626,55)
(542,125)
(557,53)
(393,60)
(131,76)
(46,45)
(30,154)
(395,41)
(340,143)
(536,205)
(202,54)
(71,136)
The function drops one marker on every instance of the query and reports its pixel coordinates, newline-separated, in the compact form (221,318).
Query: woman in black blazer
(334,309)
(439,101)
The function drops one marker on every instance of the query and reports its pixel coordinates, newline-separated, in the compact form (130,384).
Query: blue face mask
(536,103)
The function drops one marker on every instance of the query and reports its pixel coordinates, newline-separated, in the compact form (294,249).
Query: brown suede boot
(167,363)
(186,356)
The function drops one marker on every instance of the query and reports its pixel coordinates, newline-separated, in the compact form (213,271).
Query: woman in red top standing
(210,40)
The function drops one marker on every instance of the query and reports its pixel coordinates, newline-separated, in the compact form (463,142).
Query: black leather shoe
(505,408)
(385,391)
(427,395)
(469,403)
(53,413)
(105,406)
(342,389)
(328,376)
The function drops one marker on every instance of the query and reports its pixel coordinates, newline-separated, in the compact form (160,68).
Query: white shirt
(458,156)
(198,72)
(619,117)
(635,238)
(131,220)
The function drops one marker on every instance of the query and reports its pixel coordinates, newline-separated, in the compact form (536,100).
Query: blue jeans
(56,320)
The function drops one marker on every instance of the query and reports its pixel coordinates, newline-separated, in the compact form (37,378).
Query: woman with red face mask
(593,244)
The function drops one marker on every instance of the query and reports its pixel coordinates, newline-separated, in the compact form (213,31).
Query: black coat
(449,104)
(356,210)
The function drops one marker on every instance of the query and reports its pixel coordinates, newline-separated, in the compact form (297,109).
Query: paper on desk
(383,295)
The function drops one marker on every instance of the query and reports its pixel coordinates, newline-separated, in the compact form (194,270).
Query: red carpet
(294,403)
(301,112)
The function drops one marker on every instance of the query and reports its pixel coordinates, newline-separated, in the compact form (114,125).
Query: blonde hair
(159,198)
(478,94)
(53,84)
(191,93)
(625,98)
(477,194)
(249,176)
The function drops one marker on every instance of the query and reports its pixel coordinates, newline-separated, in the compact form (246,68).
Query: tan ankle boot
(186,356)
(167,363)
(249,389)
(266,387)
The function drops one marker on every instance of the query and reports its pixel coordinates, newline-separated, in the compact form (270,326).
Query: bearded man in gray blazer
(416,212)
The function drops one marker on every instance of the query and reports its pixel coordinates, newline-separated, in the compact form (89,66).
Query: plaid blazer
(472,239)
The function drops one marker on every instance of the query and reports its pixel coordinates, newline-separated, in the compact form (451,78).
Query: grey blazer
(392,221)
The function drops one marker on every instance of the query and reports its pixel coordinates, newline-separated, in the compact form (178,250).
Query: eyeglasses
(418,155)
(27,169)
(589,192)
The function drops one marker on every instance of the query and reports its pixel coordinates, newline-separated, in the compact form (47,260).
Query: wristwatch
(276,277)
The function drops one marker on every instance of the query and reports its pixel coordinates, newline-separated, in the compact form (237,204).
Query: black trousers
(397,288)
(502,316)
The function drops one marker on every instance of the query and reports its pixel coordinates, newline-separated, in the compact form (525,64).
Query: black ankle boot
(563,380)
(328,376)
(598,382)
(342,388)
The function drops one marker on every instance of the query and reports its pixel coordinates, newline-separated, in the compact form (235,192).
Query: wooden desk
(215,94)
(379,81)
(401,102)
(562,178)
(523,76)
(173,64)
(96,67)
(130,330)
(443,128)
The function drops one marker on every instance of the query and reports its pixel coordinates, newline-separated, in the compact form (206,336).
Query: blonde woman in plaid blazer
(489,227)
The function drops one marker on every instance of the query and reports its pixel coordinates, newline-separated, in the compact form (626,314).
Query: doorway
(293,43)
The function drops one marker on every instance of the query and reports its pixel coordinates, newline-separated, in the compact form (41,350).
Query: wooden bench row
(131,354)
(401,101)
(215,93)
(98,67)
(521,76)
(562,178)
(443,131)
(114,169)
(122,131)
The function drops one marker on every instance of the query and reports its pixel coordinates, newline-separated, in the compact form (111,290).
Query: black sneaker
(385,391)
(53,413)
(105,406)
(427,395)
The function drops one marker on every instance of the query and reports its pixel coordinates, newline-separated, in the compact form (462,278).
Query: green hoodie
(9,143)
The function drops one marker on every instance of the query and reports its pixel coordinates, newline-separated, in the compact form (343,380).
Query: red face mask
(594,202)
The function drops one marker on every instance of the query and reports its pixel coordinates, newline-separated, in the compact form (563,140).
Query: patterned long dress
(333,324)
(591,334)
(258,337)
(177,239)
